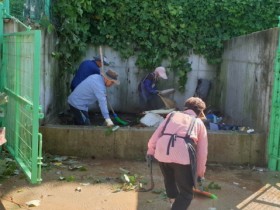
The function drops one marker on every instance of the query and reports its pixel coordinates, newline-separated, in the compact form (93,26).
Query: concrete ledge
(131,143)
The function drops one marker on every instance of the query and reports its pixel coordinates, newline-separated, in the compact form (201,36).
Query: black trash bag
(202,89)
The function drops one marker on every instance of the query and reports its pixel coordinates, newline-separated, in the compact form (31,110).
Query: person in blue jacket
(147,88)
(87,68)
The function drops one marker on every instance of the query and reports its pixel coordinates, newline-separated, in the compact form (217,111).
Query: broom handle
(101,58)
(111,106)
(102,71)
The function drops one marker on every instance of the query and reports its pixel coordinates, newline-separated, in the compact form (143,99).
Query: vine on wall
(156,30)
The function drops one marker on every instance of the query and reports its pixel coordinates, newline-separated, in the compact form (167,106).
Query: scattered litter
(76,167)
(16,172)
(9,160)
(226,127)
(85,184)
(57,163)
(130,182)
(115,128)
(126,178)
(61,158)
(71,162)
(44,164)
(213,126)
(213,118)
(215,164)
(61,178)
(78,189)
(33,203)
(235,183)
(259,169)
(151,119)
(250,131)
(124,170)
(242,128)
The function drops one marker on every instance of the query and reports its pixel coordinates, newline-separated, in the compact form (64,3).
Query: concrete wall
(131,143)
(54,83)
(246,78)
(242,86)
(124,98)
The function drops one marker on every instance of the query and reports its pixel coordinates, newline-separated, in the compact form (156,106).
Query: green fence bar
(21,64)
(6,8)
(274,132)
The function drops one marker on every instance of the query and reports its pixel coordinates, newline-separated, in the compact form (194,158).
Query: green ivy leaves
(157,30)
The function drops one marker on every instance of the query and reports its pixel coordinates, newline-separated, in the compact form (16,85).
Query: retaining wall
(229,147)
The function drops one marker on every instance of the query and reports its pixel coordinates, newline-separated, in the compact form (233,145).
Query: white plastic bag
(151,119)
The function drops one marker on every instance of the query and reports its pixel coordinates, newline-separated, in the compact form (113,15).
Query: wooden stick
(101,59)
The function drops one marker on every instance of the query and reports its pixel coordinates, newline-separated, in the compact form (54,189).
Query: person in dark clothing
(87,68)
(147,88)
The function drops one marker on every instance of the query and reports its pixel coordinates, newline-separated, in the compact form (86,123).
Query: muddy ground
(71,183)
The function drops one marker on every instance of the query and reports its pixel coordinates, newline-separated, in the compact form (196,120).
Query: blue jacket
(86,68)
(147,86)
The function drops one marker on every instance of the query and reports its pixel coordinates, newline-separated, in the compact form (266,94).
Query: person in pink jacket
(180,145)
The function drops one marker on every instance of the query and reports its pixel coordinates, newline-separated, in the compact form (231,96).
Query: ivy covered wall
(156,30)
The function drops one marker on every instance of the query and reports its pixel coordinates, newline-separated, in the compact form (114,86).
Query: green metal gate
(274,132)
(20,81)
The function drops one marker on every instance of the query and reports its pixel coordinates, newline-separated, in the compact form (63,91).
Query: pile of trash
(215,123)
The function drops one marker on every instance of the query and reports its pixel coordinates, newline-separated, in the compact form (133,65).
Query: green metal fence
(274,132)
(20,81)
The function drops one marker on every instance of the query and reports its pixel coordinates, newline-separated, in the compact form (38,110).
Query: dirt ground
(71,183)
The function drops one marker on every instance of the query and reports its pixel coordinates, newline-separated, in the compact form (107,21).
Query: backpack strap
(191,127)
(190,146)
(167,121)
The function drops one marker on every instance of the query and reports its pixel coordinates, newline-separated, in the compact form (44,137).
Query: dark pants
(178,184)
(148,103)
(80,117)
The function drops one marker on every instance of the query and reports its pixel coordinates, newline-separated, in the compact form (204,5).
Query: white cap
(161,72)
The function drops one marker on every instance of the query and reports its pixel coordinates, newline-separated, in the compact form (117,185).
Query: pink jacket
(179,125)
